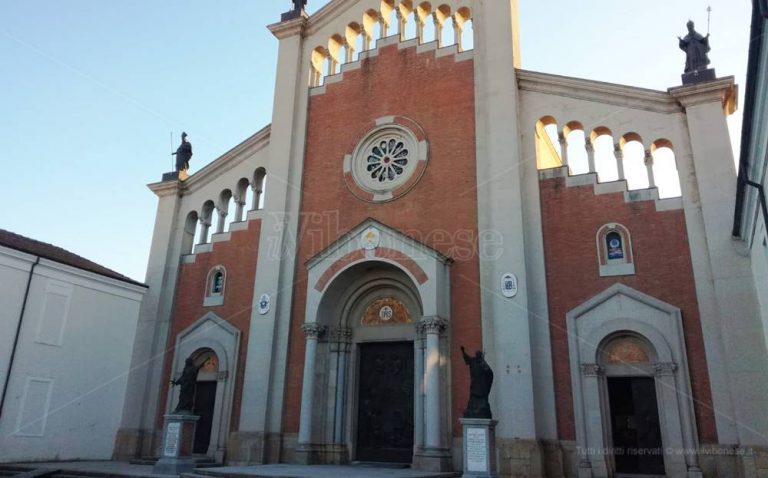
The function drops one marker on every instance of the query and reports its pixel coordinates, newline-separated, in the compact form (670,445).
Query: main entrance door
(385,403)
(636,429)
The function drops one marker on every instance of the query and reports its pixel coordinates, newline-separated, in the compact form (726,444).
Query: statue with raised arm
(183,154)
(696,48)
(481,380)
(187,383)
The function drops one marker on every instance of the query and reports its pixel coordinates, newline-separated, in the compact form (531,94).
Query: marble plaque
(172,438)
(476,449)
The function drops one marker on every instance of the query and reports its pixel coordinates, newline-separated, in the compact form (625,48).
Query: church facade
(418,192)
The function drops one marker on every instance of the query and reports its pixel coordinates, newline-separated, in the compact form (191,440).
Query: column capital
(665,369)
(342,335)
(592,370)
(433,325)
(313,331)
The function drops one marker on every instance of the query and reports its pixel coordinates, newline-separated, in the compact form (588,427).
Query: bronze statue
(183,154)
(299,5)
(187,383)
(481,380)
(696,48)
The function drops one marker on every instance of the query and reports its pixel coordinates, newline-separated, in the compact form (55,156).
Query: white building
(67,328)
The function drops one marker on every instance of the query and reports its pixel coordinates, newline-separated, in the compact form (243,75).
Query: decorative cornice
(433,325)
(294,26)
(313,331)
(665,369)
(592,370)
(723,90)
(597,91)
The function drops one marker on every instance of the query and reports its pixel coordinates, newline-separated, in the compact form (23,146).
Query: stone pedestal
(699,76)
(178,441)
(175,176)
(479,448)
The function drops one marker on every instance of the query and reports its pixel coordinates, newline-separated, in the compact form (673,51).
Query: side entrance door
(636,429)
(385,403)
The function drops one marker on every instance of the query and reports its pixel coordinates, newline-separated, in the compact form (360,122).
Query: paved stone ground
(120,469)
(319,471)
(106,468)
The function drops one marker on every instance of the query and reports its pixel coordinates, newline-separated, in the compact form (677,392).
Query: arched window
(215,287)
(614,251)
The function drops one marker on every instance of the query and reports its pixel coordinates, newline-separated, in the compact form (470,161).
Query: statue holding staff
(696,48)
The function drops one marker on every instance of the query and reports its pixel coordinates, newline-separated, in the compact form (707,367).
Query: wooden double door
(385,403)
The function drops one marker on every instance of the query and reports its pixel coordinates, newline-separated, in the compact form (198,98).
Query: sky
(90,91)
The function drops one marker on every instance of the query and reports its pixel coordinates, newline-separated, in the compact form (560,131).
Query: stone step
(318,471)
(13,470)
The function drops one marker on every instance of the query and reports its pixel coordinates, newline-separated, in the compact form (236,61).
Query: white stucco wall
(68,381)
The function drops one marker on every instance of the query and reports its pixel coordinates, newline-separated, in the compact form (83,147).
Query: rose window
(387,160)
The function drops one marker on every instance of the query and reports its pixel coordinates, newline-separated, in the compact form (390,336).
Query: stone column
(239,207)
(205,227)
(222,220)
(438,30)
(433,457)
(418,411)
(402,23)
(564,150)
(590,154)
(649,168)
(313,333)
(619,153)
(342,338)
(457,30)
(256,198)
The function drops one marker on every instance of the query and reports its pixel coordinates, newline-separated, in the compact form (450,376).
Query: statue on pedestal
(481,380)
(696,48)
(183,154)
(296,12)
(187,383)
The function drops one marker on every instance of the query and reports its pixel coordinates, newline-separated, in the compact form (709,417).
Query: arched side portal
(376,378)
(622,343)
(211,336)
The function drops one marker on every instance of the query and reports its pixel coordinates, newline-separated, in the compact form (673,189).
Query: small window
(215,287)
(218,283)
(614,251)
(615,246)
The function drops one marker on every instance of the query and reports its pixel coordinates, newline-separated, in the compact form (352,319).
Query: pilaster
(265,366)
(505,322)
(137,434)
(725,287)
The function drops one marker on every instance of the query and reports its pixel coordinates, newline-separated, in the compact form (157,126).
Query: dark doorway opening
(385,403)
(637,447)
(205,399)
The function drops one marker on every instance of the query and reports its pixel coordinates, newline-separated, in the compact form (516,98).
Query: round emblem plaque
(386,313)
(264,304)
(370,239)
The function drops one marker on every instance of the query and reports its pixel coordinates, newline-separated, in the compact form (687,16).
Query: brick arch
(382,254)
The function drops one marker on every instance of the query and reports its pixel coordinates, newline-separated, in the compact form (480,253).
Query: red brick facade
(440,210)
(571,217)
(238,256)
